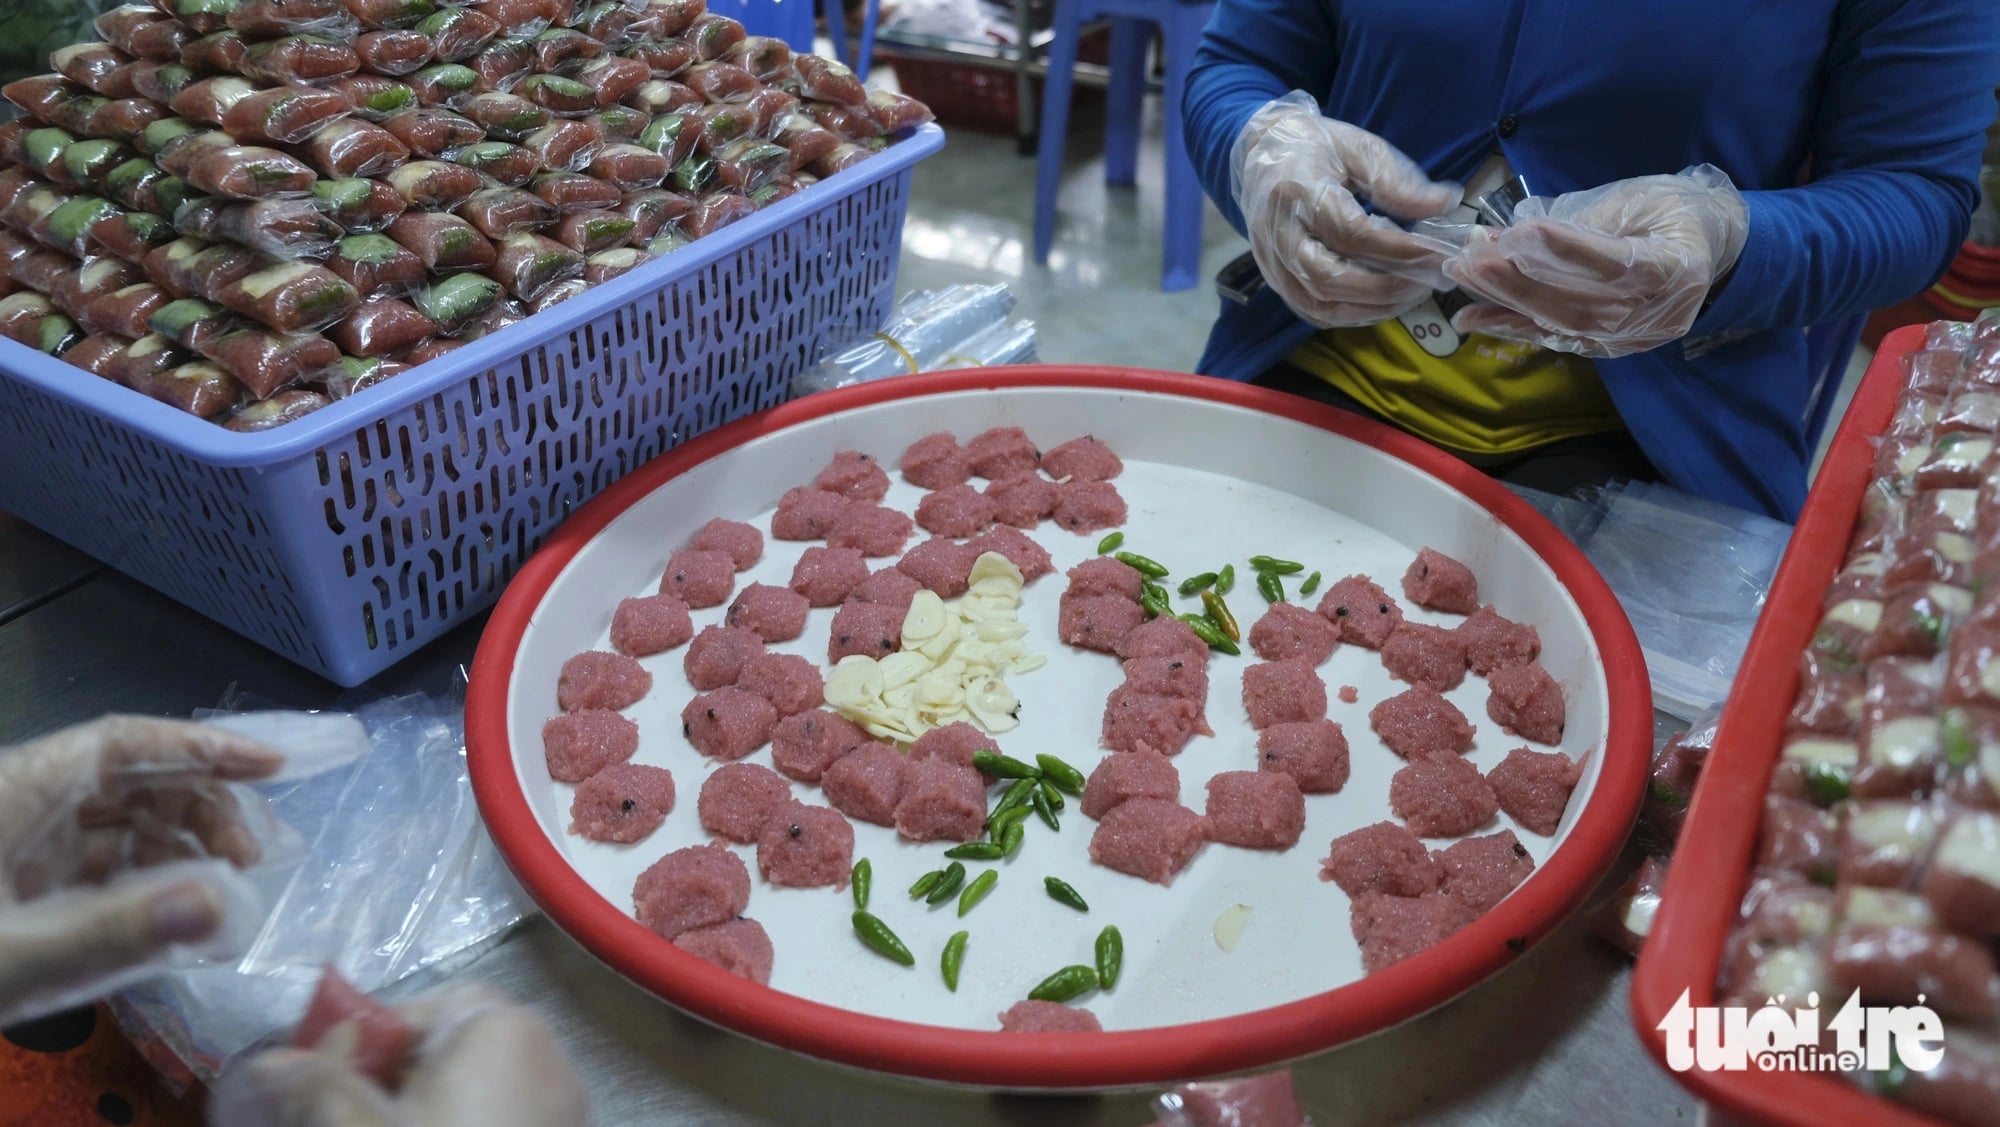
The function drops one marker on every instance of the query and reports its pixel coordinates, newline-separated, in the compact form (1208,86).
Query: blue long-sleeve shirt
(1886,100)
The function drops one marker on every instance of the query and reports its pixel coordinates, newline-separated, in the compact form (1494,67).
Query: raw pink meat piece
(868,629)
(941,801)
(1103,575)
(1269,1100)
(1383,857)
(700,886)
(959,510)
(806,847)
(580,744)
(1168,676)
(1480,871)
(1048,1017)
(1082,459)
(596,680)
(1527,702)
(825,576)
(1283,692)
(1255,809)
(1439,582)
(954,743)
(1135,721)
(1424,655)
(940,565)
(698,578)
(1312,752)
(743,543)
(1534,787)
(935,461)
(1024,500)
(382,1037)
(1018,547)
(1288,631)
(855,476)
(1418,722)
(866,783)
(775,614)
(1392,928)
(622,803)
(728,723)
(791,683)
(1797,837)
(718,654)
(1002,452)
(650,625)
(1129,774)
(1149,838)
(1097,622)
(873,529)
(804,745)
(807,514)
(739,799)
(1493,642)
(1088,506)
(1164,637)
(1965,900)
(1364,612)
(740,947)
(1955,974)
(889,587)
(1444,796)
(1349,694)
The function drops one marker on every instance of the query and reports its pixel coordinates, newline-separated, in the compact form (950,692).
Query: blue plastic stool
(836,31)
(1180,22)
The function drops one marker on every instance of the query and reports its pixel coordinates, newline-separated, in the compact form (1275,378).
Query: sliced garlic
(1230,925)
(899,669)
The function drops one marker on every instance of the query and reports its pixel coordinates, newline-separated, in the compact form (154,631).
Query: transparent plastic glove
(1300,179)
(1605,272)
(91,820)
(480,1061)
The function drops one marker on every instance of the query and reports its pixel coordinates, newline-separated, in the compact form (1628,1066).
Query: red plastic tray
(1711,864)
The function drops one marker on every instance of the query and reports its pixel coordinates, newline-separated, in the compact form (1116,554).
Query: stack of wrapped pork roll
(250,208)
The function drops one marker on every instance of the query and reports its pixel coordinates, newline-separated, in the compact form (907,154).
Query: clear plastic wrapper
(573,191)
(292,297)
(507,165)
(505,117)
(166,134)
(1266,1100)
(661,95)
(285,116)
(1626,919)
(300,59)
(191,323)
(772,106)
(1957,461)
(500,212)
(100,354)
(358,206)
(442,242)
(14,183)
(1916,414)
(1954,335)
(498,316)
(75,290)
(41,270)
(521,17)
(11,135)
(123,118)
(265,362)
(377,97)
(29,318)
(123,312)
(558,94)
(1011,343)
(158,42)
(721,126)
(444,84)
(767,59)
(840,160)
(164,264)
(67,228)
(434,184)
(89,163)
(618,123)
(590,232)
(217,54)
(381,326)
(295,229)
(894,113)
(696,175)
(248,172)
(458,34)
(849,123)
(667,242)
(276,411)
(1915,619)
(1830,698)
(98,66)
(202,16)
(376,265)
(273,19)
(209,99)
(30,210)
(380,15)
(1933,370)
(605,265)
(714,36)
(565,145)
(652,212)
(672,136)
(608,22)
(503,64)
(557,294)
(666,58)
(432,132)
(457,301)
(429,350)
(39,94)
(630,167)
(393,53)
(163,82)
(199,388)
(749,165)
(558,45)
(13,248)
(665,18)
(118,25)
(720,82)
(42,151)
(528,265)
(149,356)
(825,80)
(1976,411)
(351,374)
(928,327)
(77,112)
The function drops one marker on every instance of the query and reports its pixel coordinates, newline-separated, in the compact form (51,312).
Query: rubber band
(967,360)
(892,342)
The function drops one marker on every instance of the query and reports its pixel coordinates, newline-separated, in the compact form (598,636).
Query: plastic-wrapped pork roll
(825,80)
(201,16)
(162,264)
(840,160)
(123,118)
(507,165)
(772,106)
(610,78)
(662,95)
(557,294)
(435,184)
(893,112)
(295,59)
(358,206)
(100,354)
(131,235)
(209,99)
(149,356)
(377,97)
(67,228)
(276,411)
(617,123)
(558,45)
(609,23)
(566,145)
(444,84)
(40,94)
(653,211)
(714,36)
(503,64)
(351,374)
(442,242)
(209,270)
(767,59)
(457,34)
(191,323)
(389,15)
(75,290)
(273,19)
(666,18)
(295,229)
(672,136)
(630,167)
(529,265)
(500,212)
(720,82)
(41,269)
(592,231)
(849,123)
(457,301)
(664,57)
(99,66)
(29,318)
(433,131)
(220,53)
(285,116)
(291,297)
(722,125)
(714,212)
(558,94)
(247,172)
(382,325)
(199,388)
(605,265)
(805,139)
(123,312)
(141,185)
(265,362)
(750,164)
(393,53)
(375,265)
(11,134)
(573,191)
(162,82)
(505,117)
(88,162)
(352,148)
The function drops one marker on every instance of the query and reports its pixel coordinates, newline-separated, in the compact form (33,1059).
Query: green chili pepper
(974,851)
(1931,624)
(1208,632)
(998,824)
(954,875)
(1061,774)
(954,958)
(1310,585)
(1827,783)
(1225,580)
(1959,747)
(1012,836)
(1044,810)
(977,890)
(925,883)
(1004,766)
(861,879)
(1017,795)
(1150,568)
(1051,795)
(1197,582)
(1275,566)
(1270,586)
(1110,543)
(1065,984)
(1152,603)
(1061,892)
(1110,956)
(881,940)
(1217,612)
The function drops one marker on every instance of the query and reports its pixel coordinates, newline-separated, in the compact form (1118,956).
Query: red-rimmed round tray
(1215,471)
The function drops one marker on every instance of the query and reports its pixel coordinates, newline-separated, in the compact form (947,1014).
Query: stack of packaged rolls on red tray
(250,208)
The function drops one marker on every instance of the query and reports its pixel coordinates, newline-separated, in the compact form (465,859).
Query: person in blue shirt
(1710,179)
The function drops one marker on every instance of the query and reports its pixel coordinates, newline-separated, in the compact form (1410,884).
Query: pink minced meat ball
(580,744)
(939,564)
(1313,752)
(1418,722)
(739,799)
(1442,797)
(1525,701)
(1393,928)
(700,886)
(804,745)
(873,529)
(699,579)
(743,543)
(855,476)
(960,510)
(1480,871)
(1439,582)
(1103,575)
(941,801)
(622,803)
(791,683)
(807,514)
(1425,655)
(1288,631)
(826,576)
(1149,838)
(1135,721)
(1022,501)
(650,625)
(1018,547)
(1493,642)
(1097,622)
(889,587)
(596,680)
(775,614)
(1348,694)
(1282,692)
(1534,787)
(1255,810)
(1082,459)
(1089,506)
(1364,612)
(1163,637)
(728,723)
(867,629)
(1168,676)
(1048,1017)
(1383,857)
(866,783)
(718,654)
(1002,452)
(741,947)
(806,847)
(955,744)
(1127,775)
(935,461)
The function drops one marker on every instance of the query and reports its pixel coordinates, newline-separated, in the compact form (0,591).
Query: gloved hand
(1605,272)
(1300,179)
(480,1061)
(83,814)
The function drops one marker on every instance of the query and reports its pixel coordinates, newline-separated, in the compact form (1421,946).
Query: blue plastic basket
(349,538)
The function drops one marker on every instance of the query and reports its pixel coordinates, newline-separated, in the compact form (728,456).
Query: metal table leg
(1024,87)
